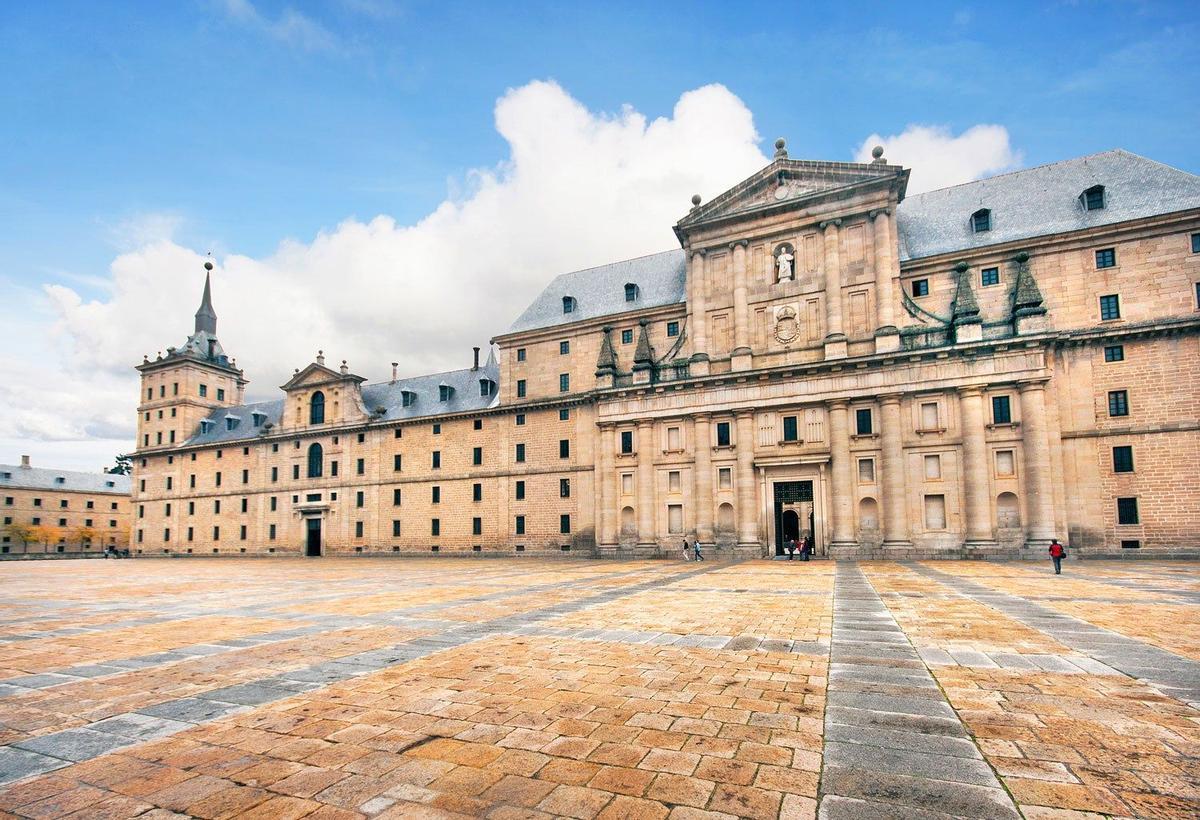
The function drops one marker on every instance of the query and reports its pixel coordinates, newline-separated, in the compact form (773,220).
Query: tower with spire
(183,386)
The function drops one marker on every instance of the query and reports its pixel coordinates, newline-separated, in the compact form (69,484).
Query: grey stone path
(45,753)
(893,745)
(1173,675)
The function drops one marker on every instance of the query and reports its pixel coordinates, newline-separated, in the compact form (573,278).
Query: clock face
(781,192)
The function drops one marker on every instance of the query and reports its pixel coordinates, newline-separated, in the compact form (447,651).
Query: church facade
(967,372)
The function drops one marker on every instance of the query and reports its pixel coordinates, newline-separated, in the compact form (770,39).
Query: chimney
(476,365)
(394,366)
(25,462)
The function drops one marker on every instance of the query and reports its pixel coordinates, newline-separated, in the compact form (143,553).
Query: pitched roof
(600,291)
(464,398)
(1042,201)
(41,478)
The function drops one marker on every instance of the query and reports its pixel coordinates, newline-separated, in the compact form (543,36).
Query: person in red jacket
(1057,553)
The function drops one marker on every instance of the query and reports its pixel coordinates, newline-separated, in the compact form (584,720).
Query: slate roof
(600,291)
(1042,201)
(41,478)
(465,398)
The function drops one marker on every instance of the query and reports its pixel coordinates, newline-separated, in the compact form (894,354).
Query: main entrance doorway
(794,515)
(312,544)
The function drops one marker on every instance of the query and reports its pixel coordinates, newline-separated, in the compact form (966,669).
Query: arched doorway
(791,526)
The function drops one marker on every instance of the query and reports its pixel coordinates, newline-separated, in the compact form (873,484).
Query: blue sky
(393,181)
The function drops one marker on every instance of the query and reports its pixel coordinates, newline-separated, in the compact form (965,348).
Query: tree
(22,532)
(122,466)
(45,534)
(81,535)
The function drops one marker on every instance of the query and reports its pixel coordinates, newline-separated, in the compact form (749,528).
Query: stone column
(835,339)
(747,510)
(1035,445)
(647,543)
(697,316)
(895,493)
(976,486)
(702,479)
(607,482)
(887,336)
(740,356)
(842,488)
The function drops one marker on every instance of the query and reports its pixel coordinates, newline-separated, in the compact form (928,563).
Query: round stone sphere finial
(208,265)
(695,200)
(877,151)
(780,144)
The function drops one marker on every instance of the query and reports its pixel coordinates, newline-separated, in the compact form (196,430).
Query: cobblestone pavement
(529,689)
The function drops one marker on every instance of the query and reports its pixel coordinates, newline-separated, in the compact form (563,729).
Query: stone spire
(965,310)
(606,362)
(1027,296)
(206,317)
(643,356)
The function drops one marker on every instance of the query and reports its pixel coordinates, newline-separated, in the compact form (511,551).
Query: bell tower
(183,387)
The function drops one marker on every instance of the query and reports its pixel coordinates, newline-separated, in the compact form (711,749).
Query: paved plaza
(507,689)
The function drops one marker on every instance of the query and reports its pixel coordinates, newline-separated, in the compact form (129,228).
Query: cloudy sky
(392,180)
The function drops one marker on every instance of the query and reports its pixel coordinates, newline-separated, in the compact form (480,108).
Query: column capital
(739,243)
(890,398)
(874,212)
(837,404)
(701,252)
(701,416)
(643,424)
(744,413)
(972,390)
(1026,385)
(607,425)
(826,224)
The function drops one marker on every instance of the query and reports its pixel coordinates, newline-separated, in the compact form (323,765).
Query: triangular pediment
(789,182)
(318,374)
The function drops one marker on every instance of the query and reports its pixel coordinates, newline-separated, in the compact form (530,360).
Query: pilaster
(740,356)
(702,479)
(895,493)
(747,512)
(835,339)
(647,542)
(842,490)
(976,486)
(697,313)
(1036,450)
(887,335)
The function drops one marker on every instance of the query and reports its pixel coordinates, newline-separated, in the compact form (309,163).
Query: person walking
(1057,553)
(685,550)
(806,548)
(790,546)
(696,550)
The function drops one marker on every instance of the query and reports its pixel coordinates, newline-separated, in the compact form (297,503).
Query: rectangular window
(935,512)
(725,478)
(520,388)
(477,424)
(396,462)
(295,471)
(477,456)
(245,505)
(564,382)
(520,354)
(274,503)
(866,471)
(1127,511)
(360,499)
(626,337)
(564,488)
(520,454)
(360,466)
(674,439)
(564,448)
(218,479)
(437,459)
(564,524)
(626,483)
(220,394)
(435,495)
(1106,258)
(933,468)
(476,526)
(1006,463)
(722,434)
(920,287)
(242,532)
(862,422)
(171,482)
(564,348)
(1001,410)
(520,420)
(216,533)
(929,415)
(270,533)
(396,497)
(520,525)
(791,431)
(435,526)
(217,506)
(1196,243)
(672,329)
(1110,307)
(989,277)
(1114,353)
(626,441)
(192,508)
(1123,459)
(477,492)
(395,528)
(520,491)
(1118,403)
(674,481)
(675,519)
(203,391)
(274,473)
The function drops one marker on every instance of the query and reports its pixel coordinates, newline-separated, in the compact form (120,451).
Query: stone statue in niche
(784,259)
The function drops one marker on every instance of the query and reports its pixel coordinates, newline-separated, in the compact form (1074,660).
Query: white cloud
(578,188)
(291,27)
(939,159)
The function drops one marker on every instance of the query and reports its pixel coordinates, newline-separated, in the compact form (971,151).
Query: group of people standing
(805,545)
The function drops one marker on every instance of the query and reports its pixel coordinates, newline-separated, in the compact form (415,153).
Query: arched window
(725,521)
(631,292)
(316,461)
(1008,512)
(316,408)
(981,220)
(568,304)
(868,514)
(628,525)
(1093,198)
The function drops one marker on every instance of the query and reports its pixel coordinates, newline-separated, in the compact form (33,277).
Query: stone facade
(69,512)
(933,376)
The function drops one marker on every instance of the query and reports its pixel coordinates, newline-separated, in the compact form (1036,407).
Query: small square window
(520,420)
(1114,353)
(520,354)
(1118,403)
(672,329)
(1131,544)
(477,424)
(1005,463)
(1001,410)
(437,429)
(1106,258)
(626,337)
(1122,459)
(866,471)
(1110,307)
(1127,511)
(920,287)
(989,277)
(564,348)
(564,414)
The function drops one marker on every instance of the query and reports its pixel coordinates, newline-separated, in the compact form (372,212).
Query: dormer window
(257,419)
(445,391)
(1093,198)
(568,304)
(486,387)
(60,480)
(631,292)
(981,220)
(407,398)
(316,408)
(5,475)
(205,426)
(110,484)
(231,422)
